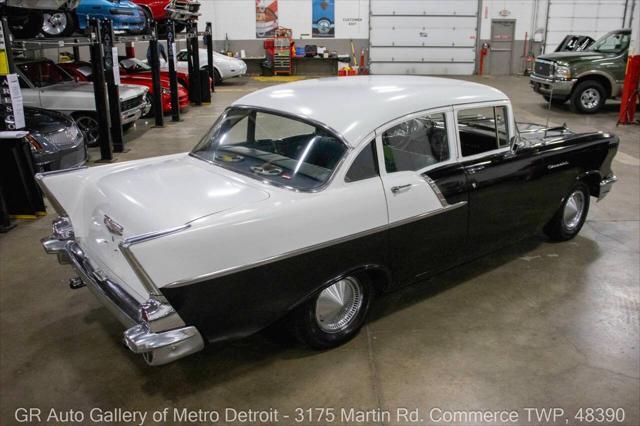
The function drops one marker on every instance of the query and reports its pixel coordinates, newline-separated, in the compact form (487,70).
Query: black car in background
(56,141)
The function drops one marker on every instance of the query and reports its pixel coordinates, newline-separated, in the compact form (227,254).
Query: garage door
(423,36)
(594,18)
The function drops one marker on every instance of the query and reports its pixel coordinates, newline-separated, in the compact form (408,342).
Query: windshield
(44,73)
(267,146)
(612,43)
(134,65)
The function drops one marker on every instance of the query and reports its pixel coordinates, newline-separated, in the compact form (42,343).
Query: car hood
(142,80)
(80,88)
(571,57)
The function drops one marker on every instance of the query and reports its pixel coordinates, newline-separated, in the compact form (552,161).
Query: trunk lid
(164,194)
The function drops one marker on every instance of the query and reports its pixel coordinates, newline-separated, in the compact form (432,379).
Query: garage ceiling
(594,18)
(423,37)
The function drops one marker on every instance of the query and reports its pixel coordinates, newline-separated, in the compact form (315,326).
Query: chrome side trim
(228,271)
(421,216)
(436,190)
(240,268)
(141,273)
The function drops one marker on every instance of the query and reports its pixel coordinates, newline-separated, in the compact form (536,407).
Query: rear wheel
(57,23)
(568,220)
(588,97)
(335,314)
(88,124)
(217,76)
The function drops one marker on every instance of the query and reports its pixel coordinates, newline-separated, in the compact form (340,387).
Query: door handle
(474,169)
(396,189)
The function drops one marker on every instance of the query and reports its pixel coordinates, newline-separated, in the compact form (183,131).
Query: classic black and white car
(299,207)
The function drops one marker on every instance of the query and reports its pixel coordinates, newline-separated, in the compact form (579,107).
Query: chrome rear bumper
(154,328)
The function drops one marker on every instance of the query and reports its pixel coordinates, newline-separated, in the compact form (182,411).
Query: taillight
(34,144)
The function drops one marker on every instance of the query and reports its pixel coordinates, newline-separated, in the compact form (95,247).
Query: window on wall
(365,165)
(482,129)
(416,143)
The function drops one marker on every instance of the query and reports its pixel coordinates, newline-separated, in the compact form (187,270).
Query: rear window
(282,150)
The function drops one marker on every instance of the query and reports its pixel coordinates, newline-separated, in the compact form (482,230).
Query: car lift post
(155,77)
(208,41)
(173,77)
(113,84)
(102,109)
(193,52)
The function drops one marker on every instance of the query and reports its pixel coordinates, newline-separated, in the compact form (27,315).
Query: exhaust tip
(76,283)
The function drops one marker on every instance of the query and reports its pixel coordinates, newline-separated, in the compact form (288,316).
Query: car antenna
(546,127)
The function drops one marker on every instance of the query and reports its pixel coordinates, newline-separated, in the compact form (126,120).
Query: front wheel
(588,97)
(88,124)
(568,220)
(217,77)
(335,314)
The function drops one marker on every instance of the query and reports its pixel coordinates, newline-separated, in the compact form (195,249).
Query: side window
(416,143)
(365,165)
(182,56)
(482,129)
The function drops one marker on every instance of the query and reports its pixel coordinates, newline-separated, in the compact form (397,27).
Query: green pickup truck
(588,78)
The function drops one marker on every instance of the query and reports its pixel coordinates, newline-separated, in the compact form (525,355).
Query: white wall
(522,11)
(237,18)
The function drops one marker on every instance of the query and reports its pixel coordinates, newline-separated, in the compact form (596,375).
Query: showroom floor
(534,325)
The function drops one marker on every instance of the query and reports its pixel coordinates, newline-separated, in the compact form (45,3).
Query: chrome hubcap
(338,305)
(54,23)
(89,127)
(573,210)
(590,98)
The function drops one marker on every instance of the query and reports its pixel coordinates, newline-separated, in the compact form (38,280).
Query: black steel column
(102,109)
(173,77)
(111,70)
(208,41)
(194,63)
(155,76)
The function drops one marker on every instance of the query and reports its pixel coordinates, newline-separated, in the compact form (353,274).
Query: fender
(614,85)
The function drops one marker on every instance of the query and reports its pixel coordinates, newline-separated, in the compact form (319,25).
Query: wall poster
(266,18)
(323,20)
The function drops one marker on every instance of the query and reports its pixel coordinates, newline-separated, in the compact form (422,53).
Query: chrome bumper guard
(605,186)
(151,325)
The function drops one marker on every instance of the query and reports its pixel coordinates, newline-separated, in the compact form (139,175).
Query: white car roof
(356,106)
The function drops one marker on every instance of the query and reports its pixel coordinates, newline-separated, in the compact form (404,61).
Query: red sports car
(135,67)
(161,10)
(82,71)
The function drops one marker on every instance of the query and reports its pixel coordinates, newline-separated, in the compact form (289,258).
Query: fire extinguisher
(483,52)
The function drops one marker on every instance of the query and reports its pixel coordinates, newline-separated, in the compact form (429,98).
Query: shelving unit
(282,64)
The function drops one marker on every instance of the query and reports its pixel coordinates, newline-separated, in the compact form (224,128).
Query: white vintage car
(300,207)
(224,67)
(46,85)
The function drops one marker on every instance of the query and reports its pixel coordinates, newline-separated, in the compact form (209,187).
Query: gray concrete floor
(534,325)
